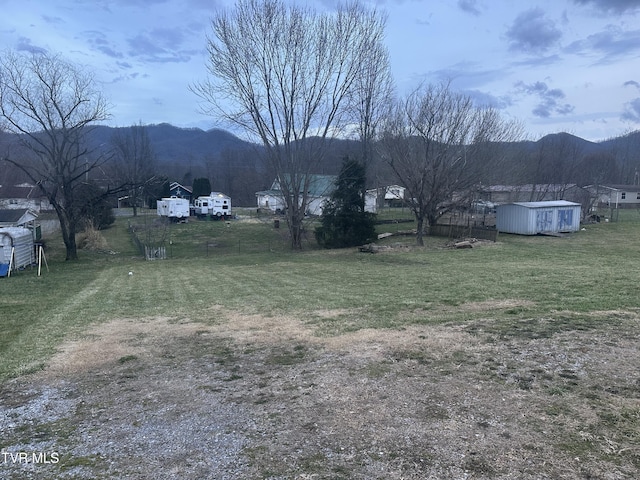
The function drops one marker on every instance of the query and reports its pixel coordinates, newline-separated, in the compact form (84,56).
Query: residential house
(616,196)
(180,191)
(389,196)
(319,190)
(23,196)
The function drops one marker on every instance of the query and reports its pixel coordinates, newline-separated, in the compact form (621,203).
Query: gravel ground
(264,398)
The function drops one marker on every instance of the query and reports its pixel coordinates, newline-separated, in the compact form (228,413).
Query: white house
(23,196)
(532,218)
(617,196)
(383,196)
(319,190)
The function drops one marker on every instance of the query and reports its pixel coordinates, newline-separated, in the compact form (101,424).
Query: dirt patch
(107,343)
(265,397)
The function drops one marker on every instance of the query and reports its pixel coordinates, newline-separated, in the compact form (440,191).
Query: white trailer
(216,205)
(173,208)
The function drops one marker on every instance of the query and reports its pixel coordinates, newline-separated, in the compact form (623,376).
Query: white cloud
(631,111)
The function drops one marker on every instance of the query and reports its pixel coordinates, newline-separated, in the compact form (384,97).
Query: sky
(554,65)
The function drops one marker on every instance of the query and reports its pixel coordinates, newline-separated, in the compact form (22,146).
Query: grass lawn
(520,299)
(595,270)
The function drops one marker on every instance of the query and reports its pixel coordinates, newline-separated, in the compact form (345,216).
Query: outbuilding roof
(547,204)
(16,216)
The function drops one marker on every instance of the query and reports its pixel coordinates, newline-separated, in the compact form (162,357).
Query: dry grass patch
(490,305)
(110,342)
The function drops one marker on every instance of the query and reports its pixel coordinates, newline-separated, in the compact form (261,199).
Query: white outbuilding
(16,249)
(532,218)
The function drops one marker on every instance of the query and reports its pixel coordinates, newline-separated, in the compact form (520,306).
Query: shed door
(565,219)
(544,221)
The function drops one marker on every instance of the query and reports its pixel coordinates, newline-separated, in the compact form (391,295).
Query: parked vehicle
(215,205)
(174,208)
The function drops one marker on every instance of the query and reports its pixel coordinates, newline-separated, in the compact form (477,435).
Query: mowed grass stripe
(591,271)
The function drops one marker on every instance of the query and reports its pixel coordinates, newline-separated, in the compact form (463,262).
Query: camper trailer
(215,205)
(16,249)
(174,208)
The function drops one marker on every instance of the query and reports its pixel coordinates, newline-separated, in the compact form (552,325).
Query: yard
(236,358)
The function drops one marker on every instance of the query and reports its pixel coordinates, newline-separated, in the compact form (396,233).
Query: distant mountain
(190,146)
(180,145)
(630,140)
(239,168)
(563,140)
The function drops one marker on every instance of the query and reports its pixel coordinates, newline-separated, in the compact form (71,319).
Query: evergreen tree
(201,187)
(344,220)
(94,207)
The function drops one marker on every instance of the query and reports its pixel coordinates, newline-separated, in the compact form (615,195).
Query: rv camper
(215,205)
(174,208)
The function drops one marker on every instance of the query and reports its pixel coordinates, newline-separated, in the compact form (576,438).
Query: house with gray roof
(23,196)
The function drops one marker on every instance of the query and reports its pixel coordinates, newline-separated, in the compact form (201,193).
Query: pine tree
(345,223)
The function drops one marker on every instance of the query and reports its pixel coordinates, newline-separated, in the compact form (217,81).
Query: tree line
(297,80)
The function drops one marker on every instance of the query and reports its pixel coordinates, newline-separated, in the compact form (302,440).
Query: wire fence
(150,250)
(155,242)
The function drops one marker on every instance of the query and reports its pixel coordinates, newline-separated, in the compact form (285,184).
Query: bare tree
(287,75)
(626,149)
(134,162)
(51,104)
(373,95)
(553,166)
(438,144)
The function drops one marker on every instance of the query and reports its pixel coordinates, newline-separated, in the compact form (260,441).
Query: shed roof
(547,204)
(16,216)
(530,187)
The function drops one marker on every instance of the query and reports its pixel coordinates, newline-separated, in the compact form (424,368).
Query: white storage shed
(532,218)
(19,242)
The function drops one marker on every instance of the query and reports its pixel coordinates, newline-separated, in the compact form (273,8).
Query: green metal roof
(319,185)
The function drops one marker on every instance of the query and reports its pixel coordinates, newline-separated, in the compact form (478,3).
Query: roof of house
(624,188)
(319,185)
(20,191)
(173,185)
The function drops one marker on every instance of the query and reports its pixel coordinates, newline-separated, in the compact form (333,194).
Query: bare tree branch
(438,144)
(50,105)
(287,75)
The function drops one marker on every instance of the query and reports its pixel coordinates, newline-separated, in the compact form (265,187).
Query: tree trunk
(68,230)
(294,221)
(420,232)
(71,247)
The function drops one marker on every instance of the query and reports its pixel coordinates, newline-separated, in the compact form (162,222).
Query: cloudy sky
(556,65)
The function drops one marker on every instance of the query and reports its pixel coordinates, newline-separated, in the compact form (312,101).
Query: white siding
(531,218)
(21,239)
